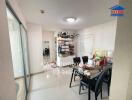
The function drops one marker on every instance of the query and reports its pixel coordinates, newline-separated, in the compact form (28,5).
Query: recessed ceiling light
(70,19)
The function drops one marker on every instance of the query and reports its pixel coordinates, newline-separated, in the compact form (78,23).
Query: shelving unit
(65,46)
(65,51)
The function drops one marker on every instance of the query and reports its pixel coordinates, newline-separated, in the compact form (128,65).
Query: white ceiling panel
(87,12)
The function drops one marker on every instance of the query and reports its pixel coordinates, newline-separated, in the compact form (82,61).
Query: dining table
(89,72)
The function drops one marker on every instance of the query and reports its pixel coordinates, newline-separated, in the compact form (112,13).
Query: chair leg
(80,88)
(96,97)
(75,74)
(108,90)
(101,93)
(89,93)
(75,77)
(71,78)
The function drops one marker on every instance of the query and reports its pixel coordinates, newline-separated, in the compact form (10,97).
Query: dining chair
(107,79)
(76,61)
(94,84)
(85,59)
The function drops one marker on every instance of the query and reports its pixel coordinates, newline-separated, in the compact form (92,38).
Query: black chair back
(85,59)
(76,60)
(99,82)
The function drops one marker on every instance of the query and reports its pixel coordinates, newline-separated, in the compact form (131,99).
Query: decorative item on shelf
(64,35)
(71,36)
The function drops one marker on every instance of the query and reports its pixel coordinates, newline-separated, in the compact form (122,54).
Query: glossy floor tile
(20,88)
(53,84)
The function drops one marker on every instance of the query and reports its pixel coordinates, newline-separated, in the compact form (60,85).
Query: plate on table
(87,72)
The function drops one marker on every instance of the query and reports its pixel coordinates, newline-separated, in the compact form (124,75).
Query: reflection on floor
(20,87)
(54,85)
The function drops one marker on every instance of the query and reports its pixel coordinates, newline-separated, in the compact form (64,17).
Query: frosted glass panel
(17,55)
(16,47)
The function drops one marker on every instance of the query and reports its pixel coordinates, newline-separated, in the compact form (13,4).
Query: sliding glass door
(18,43)
(25,55)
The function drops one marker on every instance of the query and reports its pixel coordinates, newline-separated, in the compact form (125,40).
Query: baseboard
(32,74)
(20,77)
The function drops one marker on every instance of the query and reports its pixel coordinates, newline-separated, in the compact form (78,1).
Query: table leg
(89,93)
(71,78)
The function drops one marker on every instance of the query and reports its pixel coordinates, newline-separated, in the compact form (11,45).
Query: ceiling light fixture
(42,11)
(70,19)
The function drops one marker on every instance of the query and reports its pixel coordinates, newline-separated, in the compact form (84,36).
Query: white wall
(7,83)
(35,47)
(102,36)
(49,36)
(121,85)
(129,89)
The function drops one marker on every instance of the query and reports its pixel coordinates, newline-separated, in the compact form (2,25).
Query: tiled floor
(21,89)
(54,85)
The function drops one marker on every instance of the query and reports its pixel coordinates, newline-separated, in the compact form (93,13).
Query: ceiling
(87,12)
